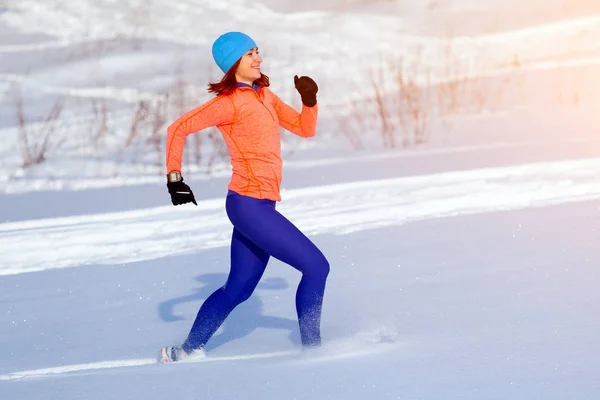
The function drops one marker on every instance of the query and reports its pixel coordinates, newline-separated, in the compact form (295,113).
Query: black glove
(308,90)
(180,193)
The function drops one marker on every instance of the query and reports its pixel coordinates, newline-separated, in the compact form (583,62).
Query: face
(249,68)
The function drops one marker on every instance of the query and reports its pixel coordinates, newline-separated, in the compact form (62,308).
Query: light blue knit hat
(230,47)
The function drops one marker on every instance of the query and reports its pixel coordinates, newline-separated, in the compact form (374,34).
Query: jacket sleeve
(303,124)
(215,112)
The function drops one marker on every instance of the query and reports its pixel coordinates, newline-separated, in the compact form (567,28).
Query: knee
(243,296)
(325,268)
(318,265)
(238,295)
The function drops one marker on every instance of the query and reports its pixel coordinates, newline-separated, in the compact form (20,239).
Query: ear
(295,79)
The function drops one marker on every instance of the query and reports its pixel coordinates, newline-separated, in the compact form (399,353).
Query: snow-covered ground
(463,267)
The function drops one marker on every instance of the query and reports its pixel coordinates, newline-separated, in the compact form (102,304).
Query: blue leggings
(260,232)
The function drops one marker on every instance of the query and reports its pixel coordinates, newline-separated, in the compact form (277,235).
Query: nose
(258,59)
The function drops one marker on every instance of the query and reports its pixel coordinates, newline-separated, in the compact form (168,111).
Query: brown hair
(228,83)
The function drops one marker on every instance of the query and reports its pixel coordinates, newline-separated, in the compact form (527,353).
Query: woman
(249,115)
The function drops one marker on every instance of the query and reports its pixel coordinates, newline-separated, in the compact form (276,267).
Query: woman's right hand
(180,193)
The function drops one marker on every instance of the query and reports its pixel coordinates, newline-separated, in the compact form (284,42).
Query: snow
(464,267)
(340,209)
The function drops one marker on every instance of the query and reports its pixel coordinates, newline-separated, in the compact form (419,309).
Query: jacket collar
(245,85)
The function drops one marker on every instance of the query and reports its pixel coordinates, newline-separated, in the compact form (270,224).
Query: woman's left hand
(308,90)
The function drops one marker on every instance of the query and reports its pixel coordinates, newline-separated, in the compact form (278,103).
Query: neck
(244,80)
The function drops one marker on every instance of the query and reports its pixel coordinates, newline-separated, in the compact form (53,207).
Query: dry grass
(407,96)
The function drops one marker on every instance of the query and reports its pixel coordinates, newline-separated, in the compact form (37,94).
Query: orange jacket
(249,122)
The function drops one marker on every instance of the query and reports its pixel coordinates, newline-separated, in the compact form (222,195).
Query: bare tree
(140,115)
(403,110)
(158,121)
(387,129)
(351,123)
(99,128)
(36,140)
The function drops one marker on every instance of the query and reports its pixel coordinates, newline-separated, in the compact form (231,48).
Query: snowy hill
(115,73)
(452,185)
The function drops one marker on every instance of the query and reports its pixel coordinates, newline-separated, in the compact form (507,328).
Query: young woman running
(249,115)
